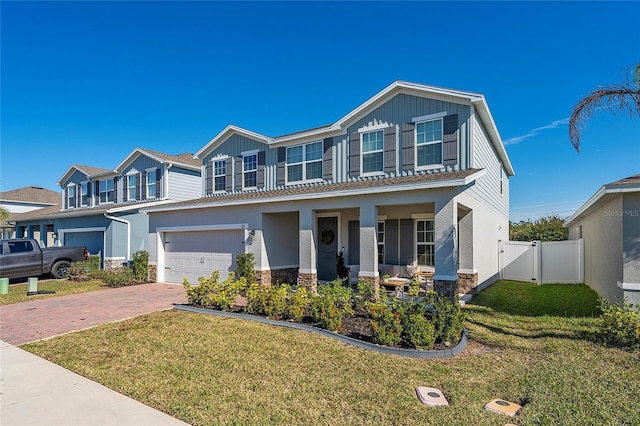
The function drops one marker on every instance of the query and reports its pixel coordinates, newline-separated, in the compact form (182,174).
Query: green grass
(210,370)
(18,292)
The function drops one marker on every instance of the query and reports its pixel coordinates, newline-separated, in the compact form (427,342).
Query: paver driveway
(38,319)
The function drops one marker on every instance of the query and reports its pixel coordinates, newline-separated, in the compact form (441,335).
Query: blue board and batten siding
(76,178)
(141,164)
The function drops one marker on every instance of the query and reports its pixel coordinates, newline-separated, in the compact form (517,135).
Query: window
(425,246)
(20,246)
(429,143)
(372,152)
(132,192)
(250,171)
(381,242)
(71,196)
(151,183)
(84,194)
(106,191)
(219,175)
(304,162)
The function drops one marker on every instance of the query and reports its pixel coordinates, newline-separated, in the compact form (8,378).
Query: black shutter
(408,147)
(354,155)
(96,191)
(354,242)
(391,242)
(125,188)
(228,179)
(115,189)
(450,140)
(143,186)
(89,188)
(261,169)
(208,176)
(281,171)
(138,193)
(65,191)
(406,241)
(158,191)
(390,151)
(238,179)
(327,159)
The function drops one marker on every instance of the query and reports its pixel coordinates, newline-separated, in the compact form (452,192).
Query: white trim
(368,274)
(146,183)
(467,271)
(604,190)
(115,258)
(250,152)
(303,163)
(362,153)
(415,145)
(113,190)
(308,271)
(89,204)
(423,216)
(225,134)
(445,277)
(429,117)
(194,228)
(629,286)
(128,224)
(375,127)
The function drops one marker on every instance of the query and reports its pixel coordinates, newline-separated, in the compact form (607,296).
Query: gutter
(126,222)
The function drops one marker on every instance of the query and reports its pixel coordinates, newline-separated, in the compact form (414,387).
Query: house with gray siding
(100,208)
(609,224)
(414,179)
(22,200)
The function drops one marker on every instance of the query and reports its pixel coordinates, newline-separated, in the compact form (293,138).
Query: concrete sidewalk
(34,391)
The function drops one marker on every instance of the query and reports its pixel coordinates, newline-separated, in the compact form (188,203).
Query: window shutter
(125,188)
(391,241)
(450,140)
(228,179)
(66,197)
(261,167)
(327,159)
(96,191)
(408,148)
(354,242)
(354,155)
(158,191)
(143,186)
(281,171)
(390,149)
(208,175)
(89,188)
(238,180)
(78,196)
(138,193)
(407,241)
(116,181)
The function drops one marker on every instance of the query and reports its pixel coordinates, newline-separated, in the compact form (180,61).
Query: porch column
(308,270)
(445,280)
(369,246)
(43,236)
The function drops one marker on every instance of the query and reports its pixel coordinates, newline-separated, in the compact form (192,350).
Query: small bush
(297,303)
(446,316)
(268,301)
(119,277)
(331,304)
(620,324)
(385,324)
(211,293)
(418,332)
(363,297)
(245,263)
(81,271)
(140,266)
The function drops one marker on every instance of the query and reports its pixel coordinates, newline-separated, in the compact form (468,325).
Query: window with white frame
(151,183)
(381,242)
(132,190)
(372,152)
(425,245)
(220,175)
(106,191)
(84,194)
(304,162)
(250,171)
(429,143)
(71,196)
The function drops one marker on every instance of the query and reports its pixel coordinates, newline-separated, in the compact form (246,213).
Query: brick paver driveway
(38,319)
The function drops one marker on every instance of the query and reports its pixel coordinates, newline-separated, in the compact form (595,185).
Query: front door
(327,248)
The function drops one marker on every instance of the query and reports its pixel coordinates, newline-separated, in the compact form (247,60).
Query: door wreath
(327,236)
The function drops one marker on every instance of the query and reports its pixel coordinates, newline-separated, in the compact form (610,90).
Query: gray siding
(76,178)
(184,184)
(142,163)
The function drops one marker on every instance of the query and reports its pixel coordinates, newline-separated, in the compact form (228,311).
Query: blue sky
(86,83)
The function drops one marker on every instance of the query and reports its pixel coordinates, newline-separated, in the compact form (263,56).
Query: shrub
(385,324)
(620,324)
(331,304)
(446,316)
(140,266)
(363,297)
(211,293)
(118,277)
(81,271)
(245,262)
(418,331)
(297,303)
(268,301)
(414,287)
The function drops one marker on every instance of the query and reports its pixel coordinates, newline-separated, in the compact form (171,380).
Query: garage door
(196,254)
(93,241)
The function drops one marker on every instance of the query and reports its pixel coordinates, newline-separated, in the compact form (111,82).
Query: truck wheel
(60,269)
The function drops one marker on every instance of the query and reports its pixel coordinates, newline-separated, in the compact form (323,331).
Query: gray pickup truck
(23,257)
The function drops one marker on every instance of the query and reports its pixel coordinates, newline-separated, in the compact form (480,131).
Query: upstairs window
(106,191)
(381,242)
(250,171)
(372,152)
(132,191)
(84,194)
(151,183)
(220,175)
(304,162)
(71,196)
(429,143)
(425,242)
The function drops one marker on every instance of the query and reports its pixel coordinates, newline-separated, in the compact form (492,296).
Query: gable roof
(607,191)
(88,171)
(31,194)
(186,160)
(395,88)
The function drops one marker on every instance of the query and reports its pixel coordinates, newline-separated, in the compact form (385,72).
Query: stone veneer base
(467,282)
(412,353)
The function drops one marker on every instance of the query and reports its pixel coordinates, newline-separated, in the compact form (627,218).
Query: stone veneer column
(153,273)
(308,272)
(467,282)
(369,247)
(263,277)
(445,280)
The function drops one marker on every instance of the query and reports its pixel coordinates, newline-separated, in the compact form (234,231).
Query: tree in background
(547,228)
(4,214)
(623,97)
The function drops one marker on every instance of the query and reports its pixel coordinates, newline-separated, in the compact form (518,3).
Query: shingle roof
(626,181)
(185,158)
(31,194)
(90,171)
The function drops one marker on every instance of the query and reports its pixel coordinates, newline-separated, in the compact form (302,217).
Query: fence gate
(520,261)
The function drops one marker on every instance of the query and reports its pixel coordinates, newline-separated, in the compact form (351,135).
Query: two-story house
(101,207)
(416,175)
(22,200)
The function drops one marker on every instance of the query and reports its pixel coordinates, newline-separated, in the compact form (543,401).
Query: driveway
(39,319)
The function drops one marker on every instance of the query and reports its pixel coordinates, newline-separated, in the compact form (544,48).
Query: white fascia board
(332,194)
(129,159)
(225,134)
(305,137)
(200,228)
(139,206)
(490,126)
(604,190)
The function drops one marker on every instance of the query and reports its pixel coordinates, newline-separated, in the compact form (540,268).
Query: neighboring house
(101,208)
(609,223)
(22,200)
(417,175)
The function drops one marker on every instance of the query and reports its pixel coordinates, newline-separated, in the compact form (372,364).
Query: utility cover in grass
(431,396)
(502,407)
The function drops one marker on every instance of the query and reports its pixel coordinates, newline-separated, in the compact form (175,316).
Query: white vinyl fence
(542,263)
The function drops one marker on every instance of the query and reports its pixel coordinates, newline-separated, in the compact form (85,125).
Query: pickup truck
(23,257)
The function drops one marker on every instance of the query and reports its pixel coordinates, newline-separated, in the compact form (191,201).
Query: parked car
(23,257)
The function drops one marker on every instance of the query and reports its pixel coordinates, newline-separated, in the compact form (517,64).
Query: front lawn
(211,370)
(18,292)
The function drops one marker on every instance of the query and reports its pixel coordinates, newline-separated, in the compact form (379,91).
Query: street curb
(412,353)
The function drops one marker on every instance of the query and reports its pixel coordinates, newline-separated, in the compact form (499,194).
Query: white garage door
(196,254)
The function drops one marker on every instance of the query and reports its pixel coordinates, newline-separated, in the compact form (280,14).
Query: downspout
(165,187)
(126,222)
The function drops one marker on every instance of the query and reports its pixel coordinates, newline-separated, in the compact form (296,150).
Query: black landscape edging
(412,353)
